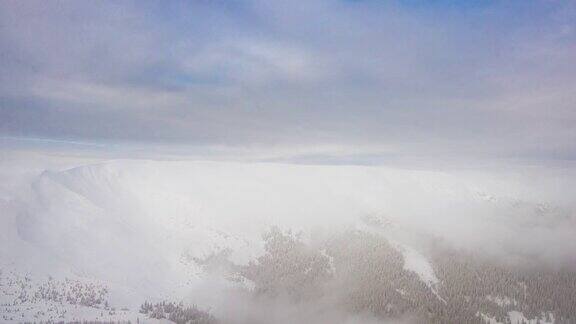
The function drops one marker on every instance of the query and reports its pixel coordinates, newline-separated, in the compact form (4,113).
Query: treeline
(495,288)
(354,271)
(23,295)
(73,292)
(177,312)
(67,291)
(289,268)
(79,322)
(361,272)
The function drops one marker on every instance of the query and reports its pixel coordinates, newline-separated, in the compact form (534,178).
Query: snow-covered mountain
(95,241)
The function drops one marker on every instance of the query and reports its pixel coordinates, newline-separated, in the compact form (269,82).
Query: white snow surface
(517,317)
(417,263)
(142,227)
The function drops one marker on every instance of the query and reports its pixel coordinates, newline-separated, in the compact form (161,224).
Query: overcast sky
(461,78)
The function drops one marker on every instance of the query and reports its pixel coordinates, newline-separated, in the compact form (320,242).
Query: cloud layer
(406,77)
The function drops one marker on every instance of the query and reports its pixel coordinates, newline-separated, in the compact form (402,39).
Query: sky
(472,78)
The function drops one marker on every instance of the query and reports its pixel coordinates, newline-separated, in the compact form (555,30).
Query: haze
(320,161)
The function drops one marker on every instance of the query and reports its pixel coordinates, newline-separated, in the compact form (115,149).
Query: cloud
(491,79)
(253,62)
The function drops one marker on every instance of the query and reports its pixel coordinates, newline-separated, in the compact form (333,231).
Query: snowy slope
(144,227)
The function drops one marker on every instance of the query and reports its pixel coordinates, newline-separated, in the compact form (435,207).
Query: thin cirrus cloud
(405,77)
